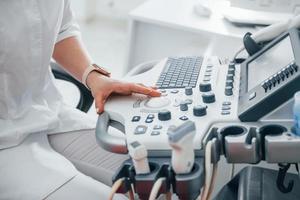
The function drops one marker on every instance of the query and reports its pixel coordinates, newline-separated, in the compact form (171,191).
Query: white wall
(87,9)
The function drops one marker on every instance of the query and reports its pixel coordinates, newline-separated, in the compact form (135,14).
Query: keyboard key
(180,72)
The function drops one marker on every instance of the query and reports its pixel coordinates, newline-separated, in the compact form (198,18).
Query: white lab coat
(29,101)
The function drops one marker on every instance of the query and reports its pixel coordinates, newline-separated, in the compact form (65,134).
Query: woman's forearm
(71,54)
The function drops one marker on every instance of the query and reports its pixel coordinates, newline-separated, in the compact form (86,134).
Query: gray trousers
(81,148)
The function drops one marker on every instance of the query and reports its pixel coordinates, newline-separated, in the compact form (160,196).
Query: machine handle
(108,142)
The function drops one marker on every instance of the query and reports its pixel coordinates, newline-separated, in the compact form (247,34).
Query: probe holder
(240,144)
(186,186)
(252,142)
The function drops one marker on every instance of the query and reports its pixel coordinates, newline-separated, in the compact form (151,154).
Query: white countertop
(180,14)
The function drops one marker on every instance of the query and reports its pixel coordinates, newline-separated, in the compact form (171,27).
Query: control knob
(199,110)
(229,83)
(164,115)
(183,106)
(205,87)
(228,91)
(231,71)
(231,65)
(208,97)
(188,90)
(230,77)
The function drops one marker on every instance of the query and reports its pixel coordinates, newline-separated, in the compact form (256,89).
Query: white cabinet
(160,28)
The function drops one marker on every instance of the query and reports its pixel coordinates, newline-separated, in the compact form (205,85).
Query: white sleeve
(69,27)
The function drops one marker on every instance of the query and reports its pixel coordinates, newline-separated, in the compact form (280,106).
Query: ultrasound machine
(242,109)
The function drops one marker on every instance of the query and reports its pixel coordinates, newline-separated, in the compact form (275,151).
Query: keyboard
(180,72)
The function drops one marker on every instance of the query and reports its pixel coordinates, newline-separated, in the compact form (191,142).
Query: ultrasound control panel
(203,90)
(210,91)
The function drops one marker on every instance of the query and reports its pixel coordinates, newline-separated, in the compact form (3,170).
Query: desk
(160,28)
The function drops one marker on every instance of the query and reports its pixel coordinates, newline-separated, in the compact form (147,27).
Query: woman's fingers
(137,88)
(155,93)
(153,87)
(99,102)
(125,89)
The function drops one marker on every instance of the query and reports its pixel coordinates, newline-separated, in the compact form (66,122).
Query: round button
(188,90)
(231,65)
(206,79)
(228,91)
(208,97)
(229,83)
(230,77)
(225,112)
(157,102)
(231,71)
(226,103)
(199,110)
(164,115)
(184,118)
(209,66)
(157,127)
(184,106)
(205,87)
(226,107)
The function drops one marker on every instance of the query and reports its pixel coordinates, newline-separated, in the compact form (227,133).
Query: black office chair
(86,98)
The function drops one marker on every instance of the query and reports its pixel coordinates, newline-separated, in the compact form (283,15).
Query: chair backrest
(86,98)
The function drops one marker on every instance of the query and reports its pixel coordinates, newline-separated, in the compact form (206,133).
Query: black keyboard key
(180,72)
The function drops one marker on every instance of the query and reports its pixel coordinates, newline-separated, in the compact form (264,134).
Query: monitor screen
(269,63)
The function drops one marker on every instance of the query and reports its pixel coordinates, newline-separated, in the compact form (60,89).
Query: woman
(32,32)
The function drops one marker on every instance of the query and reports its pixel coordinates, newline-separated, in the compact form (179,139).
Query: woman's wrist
(93,68)
(94,78)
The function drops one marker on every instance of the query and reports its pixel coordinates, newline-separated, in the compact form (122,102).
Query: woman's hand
(102,87)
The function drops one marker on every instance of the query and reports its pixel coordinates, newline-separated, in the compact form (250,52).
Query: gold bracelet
(89,69)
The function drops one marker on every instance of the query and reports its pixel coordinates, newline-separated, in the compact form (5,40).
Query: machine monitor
(270,77)
(270,63)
